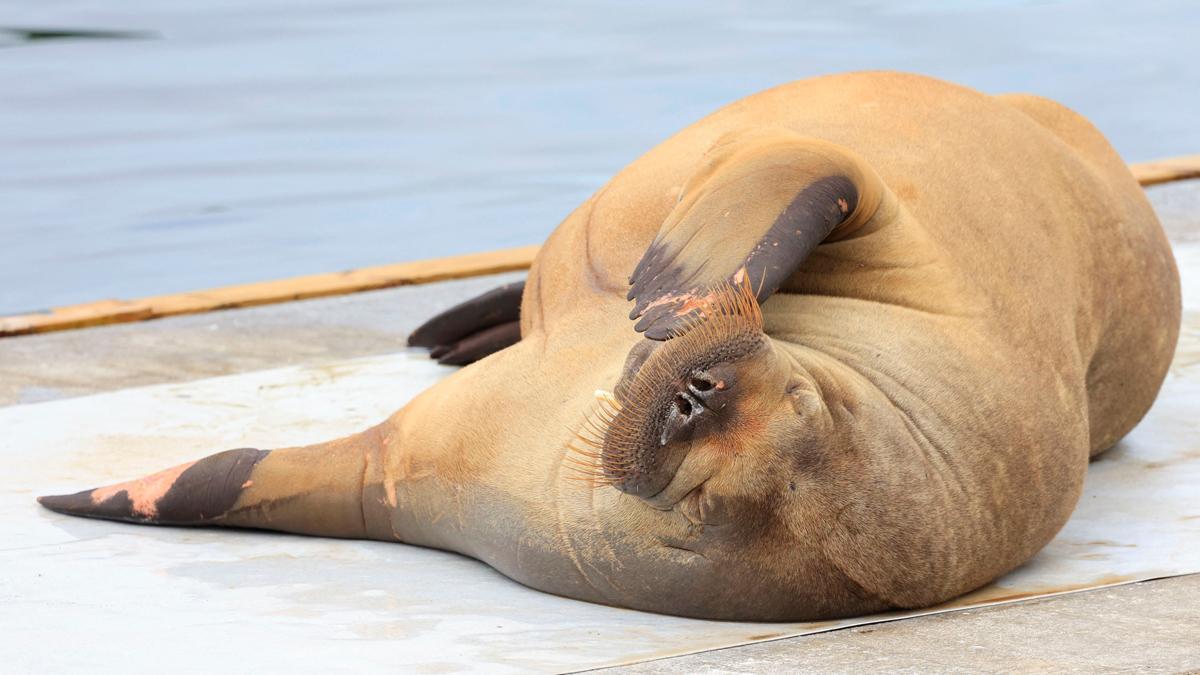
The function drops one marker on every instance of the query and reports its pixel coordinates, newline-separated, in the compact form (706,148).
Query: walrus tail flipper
(755,209)
(315,490)
(473,329)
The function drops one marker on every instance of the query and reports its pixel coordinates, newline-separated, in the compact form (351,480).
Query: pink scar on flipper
(145,492)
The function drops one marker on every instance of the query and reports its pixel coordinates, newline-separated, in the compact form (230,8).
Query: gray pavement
(1146,627)
(1151,627)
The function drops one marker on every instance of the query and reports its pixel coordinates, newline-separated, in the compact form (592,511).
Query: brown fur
(998,305)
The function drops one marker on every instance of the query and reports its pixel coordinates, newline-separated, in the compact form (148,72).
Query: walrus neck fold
(683,389)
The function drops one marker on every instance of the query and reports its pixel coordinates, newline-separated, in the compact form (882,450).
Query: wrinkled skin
(992,302)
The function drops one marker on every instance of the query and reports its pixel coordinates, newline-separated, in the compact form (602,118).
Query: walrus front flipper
(315,490)
(753,212)
(473,329)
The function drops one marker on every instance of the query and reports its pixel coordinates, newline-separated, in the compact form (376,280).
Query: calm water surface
(256,139)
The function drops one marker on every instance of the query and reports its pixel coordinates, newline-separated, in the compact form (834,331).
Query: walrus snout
(693,410)
(670,395)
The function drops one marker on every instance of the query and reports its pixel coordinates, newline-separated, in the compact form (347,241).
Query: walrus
(843,346)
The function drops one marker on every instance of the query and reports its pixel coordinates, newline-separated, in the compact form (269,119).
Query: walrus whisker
(582,460)
(582,464)
(587,465)
(589,475)
(588,469)
(593,445)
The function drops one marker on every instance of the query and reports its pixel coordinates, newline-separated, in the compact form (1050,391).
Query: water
(232,141)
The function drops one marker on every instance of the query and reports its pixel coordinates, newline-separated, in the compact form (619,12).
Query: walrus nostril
(709,388)
(683,405)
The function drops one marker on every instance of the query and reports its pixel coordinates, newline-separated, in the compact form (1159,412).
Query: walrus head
(708,395)
(711,384)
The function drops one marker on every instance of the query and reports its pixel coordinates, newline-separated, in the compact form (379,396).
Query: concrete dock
(1152,626)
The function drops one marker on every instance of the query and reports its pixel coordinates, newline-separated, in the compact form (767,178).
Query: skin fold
(877,326)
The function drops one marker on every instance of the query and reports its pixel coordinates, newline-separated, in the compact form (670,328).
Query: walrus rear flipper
(473,329)
(315,490)
(756,208)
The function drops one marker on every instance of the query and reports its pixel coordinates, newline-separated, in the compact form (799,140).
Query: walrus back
(1134,301)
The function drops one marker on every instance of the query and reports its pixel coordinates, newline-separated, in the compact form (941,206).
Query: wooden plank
(1166,170)
(268,292)
(372,278)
